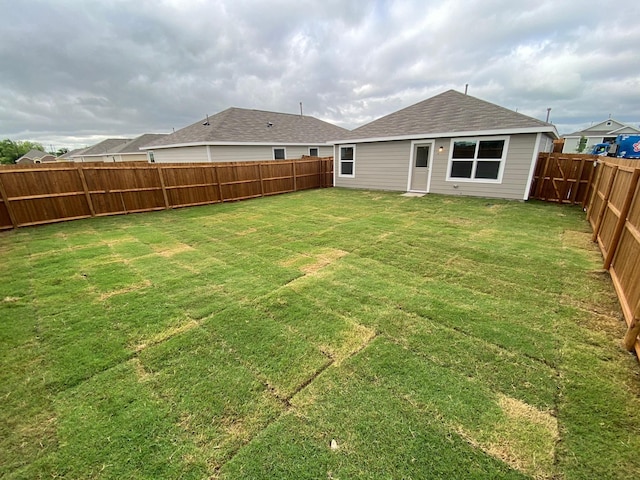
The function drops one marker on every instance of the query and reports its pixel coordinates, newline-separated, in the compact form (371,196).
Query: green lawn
(327,334)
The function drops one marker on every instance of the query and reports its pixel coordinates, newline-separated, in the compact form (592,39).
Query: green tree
(61,151)
(11,151)
(582,144)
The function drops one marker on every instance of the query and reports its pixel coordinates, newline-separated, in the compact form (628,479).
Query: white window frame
(475,159)
(284,149)
(317,148)
(353,170)
(150,156)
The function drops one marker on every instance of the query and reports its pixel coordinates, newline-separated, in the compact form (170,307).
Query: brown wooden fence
(563,178)
(614,215)
(46,193)
(609,190)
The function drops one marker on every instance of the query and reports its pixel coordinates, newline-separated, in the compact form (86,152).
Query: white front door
(420,167)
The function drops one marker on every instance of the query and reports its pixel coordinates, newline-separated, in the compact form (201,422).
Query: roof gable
(105,147)
(239,125)
(448,112)
(609,127)
(33,154)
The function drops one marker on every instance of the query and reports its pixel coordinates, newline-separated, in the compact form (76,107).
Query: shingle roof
(239,125)
(106,146)
(33,154)
(133,146)
(450,111)
(72,153)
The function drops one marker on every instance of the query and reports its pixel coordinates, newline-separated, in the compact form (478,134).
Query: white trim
(532,168)
(475,159)
(279,148)
(474,133)
(335,165)
(317,148)
(209,159)
(248,144)
(353,171)
(431,144)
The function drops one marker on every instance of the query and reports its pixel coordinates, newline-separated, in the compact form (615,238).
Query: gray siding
(514,179)
(232,153)
(180,155)
(385,166)
(381,166)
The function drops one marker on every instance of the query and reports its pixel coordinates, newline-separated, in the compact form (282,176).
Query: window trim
(503,159)
(150,156)
(284,149)
(317,148)
(353,161)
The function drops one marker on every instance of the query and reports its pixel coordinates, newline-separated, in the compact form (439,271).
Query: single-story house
(116,150)
(36,156)
(239,134)
(452,144)
(603,132)
(100,152)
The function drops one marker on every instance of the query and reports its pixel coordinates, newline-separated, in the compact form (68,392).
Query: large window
(475,159)
(279,154)
(347,162)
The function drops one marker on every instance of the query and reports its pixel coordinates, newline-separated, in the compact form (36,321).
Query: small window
(422,157)
(151,158)
(279,154)
(313,151)
(477,159)
(347,159)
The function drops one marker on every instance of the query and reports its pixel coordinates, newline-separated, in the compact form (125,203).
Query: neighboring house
(67,157)
(603,132)
(130,151)
(239,134)
(35,156)
(100,152)
(452,144)
(116,150)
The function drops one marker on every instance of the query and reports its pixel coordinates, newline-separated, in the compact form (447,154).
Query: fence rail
(39,194)
(609,190)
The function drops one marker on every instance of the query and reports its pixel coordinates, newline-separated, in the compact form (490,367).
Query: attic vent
(608,124)
(269,124)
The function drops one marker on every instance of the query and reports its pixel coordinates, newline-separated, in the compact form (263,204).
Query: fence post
(217,175)
(164,189)
(261,179)
(588,197)
(605,203)
(633,331)
(293,167)
(626,206)
(87,195)
(5,199)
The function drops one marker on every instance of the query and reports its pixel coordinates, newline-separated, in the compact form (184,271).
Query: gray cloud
(73,72)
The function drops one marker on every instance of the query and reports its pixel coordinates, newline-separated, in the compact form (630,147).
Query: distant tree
(11,151)
(582,144)
(61,151)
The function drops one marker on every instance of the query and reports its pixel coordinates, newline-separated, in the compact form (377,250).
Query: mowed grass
(328,334)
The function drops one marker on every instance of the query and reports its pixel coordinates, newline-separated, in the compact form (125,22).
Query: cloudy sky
(73,72)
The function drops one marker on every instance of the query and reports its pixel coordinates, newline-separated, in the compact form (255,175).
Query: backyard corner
(319,334)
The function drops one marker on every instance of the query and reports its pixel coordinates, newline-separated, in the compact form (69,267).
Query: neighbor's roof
(72,153)
(33,154)
(104,147)
(243,126)
(450,112)
(134,145)
(601,129)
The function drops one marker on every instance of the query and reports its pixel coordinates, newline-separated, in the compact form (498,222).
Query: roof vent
(269,124)
(207,122)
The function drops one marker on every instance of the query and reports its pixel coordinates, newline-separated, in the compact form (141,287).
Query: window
(313,151)
(347,161)
(478,160)
(279,153)
(151,159)
(422,156)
